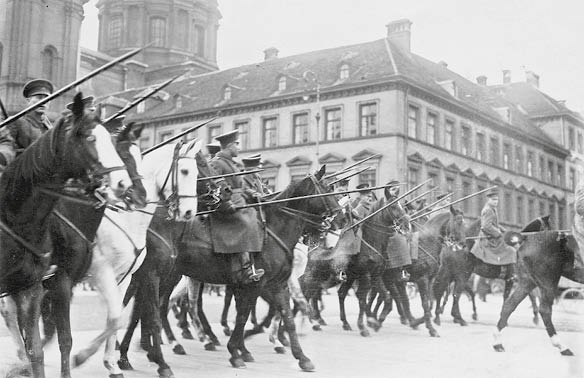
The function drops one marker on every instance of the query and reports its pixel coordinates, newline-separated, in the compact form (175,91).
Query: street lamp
(310,76)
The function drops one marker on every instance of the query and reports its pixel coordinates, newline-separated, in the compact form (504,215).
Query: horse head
(172,174)
(454,231)
(89,148)
(129,151)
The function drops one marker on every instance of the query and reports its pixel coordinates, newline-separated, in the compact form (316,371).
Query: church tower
(183,33)
(38,39)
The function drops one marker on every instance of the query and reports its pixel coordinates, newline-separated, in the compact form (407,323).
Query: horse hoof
(165,373)
(119,375)
(498,348)
(475,317)
(284,341)
(117,345)
(347,327)
(215,341)
(306,365)
(210,347)
(322,322)
(124,364)
(187,335)
(226,331)
(280,350)
(79,359)
(374,324)
(237,363)
(437,321)
(365,333)
(404,320)
(434,333)
(536,320)
(316,327)
(566,352)
(178,349)
(19,371)
(247,357)
(460,321)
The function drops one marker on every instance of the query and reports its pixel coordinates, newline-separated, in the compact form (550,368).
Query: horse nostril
(121,184)
(188,214)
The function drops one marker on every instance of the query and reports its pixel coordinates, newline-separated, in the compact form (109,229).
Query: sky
(475,37)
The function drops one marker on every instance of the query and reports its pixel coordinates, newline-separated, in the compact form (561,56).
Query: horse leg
(509,306)
(9,313)
(385,298)
(400,295)
(362,290)
(545,310)
(177,348)
(61,305)
(194,292)
(534,307)
(204,321)
(49,326)
(455,312)
(28,310)
(244,300)
(469,290)
(424,288)
(342,293)
(273,337)
(439,287)
(124,362)
(225,312)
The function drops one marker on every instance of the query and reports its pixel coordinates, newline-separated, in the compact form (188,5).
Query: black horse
(458,264)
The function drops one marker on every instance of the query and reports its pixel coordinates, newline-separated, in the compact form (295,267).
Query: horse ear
(78,106)
(452,211)
(194,146)
(137,130)
(321,172)
(124,131)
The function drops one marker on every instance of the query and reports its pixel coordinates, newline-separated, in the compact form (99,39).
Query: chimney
(399,33)
(506,76)
(532,78)
(270,53)
(482,80)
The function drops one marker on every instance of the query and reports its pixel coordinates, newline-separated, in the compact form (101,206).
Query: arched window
(49,62)
(344,71)
(158,31)
(282,83)
(114,32)
(133,25)
(227,93)
(199,39)
(183,29)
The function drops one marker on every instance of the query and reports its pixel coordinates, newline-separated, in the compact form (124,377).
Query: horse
(542,259)
(78,148)
(458,264)
(196,259)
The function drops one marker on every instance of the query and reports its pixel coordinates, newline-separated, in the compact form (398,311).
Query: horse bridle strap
(172,202)
(23,242)
(71,225)
(279,241)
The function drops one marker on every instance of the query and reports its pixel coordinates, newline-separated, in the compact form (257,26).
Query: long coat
(578,226)
(398,248)
(491,247)
(21,133)
(240,231)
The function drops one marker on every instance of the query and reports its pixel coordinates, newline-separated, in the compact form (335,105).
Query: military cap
(213,148)
(393,183)
(116,123)
(493,192)
(252,161)
(87,102)
(37,87)
(227,138)
(363,186)
(343,182)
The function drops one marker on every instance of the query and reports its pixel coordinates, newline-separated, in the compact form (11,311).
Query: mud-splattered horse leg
(28,310)
(225,312)
(509,306)
(342,293)
(195,291)
(9,313)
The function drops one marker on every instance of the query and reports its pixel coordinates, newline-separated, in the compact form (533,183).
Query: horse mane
(435,223)
(538,224)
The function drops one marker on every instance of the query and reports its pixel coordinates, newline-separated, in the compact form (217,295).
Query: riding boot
(404,275)
(243,270)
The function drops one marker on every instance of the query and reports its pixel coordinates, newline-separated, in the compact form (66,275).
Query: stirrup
(342,276)
(50,272)
(404,276)
(256,274)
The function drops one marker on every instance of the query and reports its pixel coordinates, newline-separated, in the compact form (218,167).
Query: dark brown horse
(284,225)
(542,260)
(458,264)
(34,235)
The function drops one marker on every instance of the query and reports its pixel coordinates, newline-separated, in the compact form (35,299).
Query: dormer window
(282,83)
(344,71)
(178,102)
(227,93)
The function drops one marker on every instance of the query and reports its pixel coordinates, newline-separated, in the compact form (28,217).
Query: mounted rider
(212,149)
(398,249)
(253,187)
(578,226)
(21,133)
(238,233)
(361,205)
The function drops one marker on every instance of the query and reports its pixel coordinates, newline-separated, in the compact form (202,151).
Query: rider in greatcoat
(578,227)
(398,247)
(253,187)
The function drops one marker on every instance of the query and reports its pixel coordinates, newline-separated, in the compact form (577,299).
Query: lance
(177,136)
(303,197)
(73,84)
(519,233)
(455,202)
(143,98)
(4,112)
(389,204)
(422,195)
(421,211)
(351,166)
(242,173)
(359,171)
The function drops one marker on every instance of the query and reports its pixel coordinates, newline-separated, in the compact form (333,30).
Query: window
(550,177)
(300,128)
(560,175)
(466,192)
(508,206)
(270,132)
(332,124)
(571,139)
(518,159)
(481,147)
(144,143)
(114,32)
(227,93)
(158,31)
(413,176)
(165,135)
(530,164)
(412,121)
(552,212)
(141,107)
(494,150)
(506,155)
(49,63)
(183,29)
(542,209)
(199,39)
(190,136)
(465,142)
(282,83)
(580,143)
(449,135)
(132,33)
(519,210)
(572,179)
(344,71)
(368,177)
(212,132)
(368,119)
(561,217)
(435,179)
(480,200)
(431,124)
(531,209)
(243,127)
(542,168)
(450,184)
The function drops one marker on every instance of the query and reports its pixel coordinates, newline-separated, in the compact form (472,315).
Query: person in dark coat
(21,133)
(213,148)
(253,187)
(362,204)
(397,247)
(238,233)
